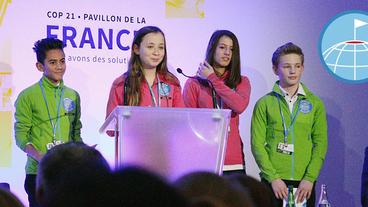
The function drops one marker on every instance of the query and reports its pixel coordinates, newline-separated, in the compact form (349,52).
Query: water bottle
(291,198)
(323,200)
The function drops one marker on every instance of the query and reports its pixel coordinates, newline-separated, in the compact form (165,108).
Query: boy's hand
(32,152)
(304,190)
(279,189)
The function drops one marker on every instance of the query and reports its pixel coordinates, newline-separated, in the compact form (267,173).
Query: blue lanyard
(214,99)
(57,122)
(221,106)
(153,97)
(293,118)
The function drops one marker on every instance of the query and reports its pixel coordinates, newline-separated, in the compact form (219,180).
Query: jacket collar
(276,89)
(48,84)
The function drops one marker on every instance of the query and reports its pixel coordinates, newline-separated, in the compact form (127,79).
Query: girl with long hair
(222,86)
(148,81)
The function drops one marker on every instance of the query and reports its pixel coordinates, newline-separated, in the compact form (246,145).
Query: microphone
(179,70)
(214,100)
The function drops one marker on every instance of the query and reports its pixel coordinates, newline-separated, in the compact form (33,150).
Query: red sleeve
(175,84)
(116,95)
(237,100)
(178,98)
(190,93)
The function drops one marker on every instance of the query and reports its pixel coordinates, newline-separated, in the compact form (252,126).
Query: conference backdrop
(98,35)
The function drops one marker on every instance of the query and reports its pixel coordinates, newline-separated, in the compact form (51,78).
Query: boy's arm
(23,121)
(33,152)
(22,127)
(258,141)
(77,122)
(319,139)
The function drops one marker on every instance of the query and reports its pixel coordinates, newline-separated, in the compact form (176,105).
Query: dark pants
(30,187)
(278,202)
(231,172)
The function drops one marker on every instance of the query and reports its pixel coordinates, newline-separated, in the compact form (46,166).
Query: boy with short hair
(47,113)
(289,130)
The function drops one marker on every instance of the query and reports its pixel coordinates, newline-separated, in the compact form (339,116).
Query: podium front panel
(172,141)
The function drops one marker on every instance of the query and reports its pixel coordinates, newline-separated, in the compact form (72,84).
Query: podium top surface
(122,112)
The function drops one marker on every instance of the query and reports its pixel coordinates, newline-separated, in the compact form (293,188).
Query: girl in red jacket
(227,90)
(147,81)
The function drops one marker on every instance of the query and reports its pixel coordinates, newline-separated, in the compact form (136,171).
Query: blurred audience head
(136,187)
(72,174)
(7,199)
(208,189)
(259,192)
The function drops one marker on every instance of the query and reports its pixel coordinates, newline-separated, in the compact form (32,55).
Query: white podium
(169,141)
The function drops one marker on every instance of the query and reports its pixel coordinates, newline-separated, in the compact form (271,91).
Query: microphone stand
(213,92)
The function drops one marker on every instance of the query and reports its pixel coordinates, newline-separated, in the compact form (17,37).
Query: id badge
(285,148)
(58,142)
(53,144)
(50,145)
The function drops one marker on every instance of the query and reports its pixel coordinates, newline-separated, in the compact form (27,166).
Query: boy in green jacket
(289,130)
(47,113)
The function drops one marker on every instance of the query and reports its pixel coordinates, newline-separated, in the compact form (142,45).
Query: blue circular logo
(343,46)
(305,106)
(68,104)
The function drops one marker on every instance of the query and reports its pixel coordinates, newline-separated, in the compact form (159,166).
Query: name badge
(53,144)
(285,148)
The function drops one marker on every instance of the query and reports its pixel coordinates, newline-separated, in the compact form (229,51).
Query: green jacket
(32,122)
(308,134)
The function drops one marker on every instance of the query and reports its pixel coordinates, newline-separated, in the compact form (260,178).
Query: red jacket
(173,99)
(196,95)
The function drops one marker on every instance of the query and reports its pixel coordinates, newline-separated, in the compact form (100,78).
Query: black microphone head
(179,70)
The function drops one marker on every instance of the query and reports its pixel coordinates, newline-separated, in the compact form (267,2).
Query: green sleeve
(258,141)
(77,123)
(319,140)
(23,121)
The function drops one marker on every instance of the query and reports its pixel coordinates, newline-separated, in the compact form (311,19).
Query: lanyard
(221,106)
(293,118)
(214,99)
(153,97)
(53,125)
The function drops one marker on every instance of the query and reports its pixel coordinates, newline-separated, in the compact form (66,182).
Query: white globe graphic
(348,59)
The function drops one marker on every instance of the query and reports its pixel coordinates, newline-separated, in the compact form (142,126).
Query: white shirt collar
(292,100)
(299,92)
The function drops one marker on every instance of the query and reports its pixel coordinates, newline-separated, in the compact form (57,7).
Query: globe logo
(343,47)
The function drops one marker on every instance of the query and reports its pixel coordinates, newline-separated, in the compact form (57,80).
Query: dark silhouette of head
(7,199)
(259,192)
(212,190)
(136,187)
(73,175)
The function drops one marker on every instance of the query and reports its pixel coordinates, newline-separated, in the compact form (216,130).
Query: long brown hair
(234,77)
(134,75)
